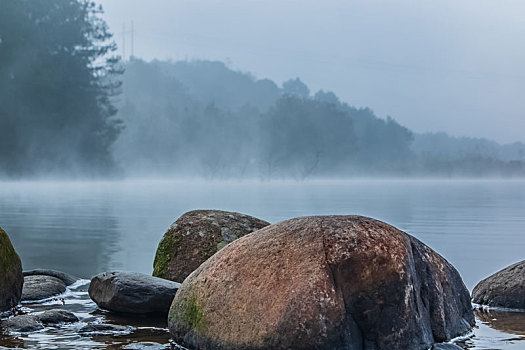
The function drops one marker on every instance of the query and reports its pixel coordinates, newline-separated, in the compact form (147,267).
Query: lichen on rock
(195,237)
(332,282)
(11,278)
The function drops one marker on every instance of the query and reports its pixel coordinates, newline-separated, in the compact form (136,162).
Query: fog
(434,66)
(261,90)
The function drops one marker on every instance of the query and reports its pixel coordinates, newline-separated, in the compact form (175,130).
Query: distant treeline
(202,118)
(61,87)
(57,80)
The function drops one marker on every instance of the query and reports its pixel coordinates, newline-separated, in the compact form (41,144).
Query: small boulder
(65,277)
(98,328)
(22,323)
(329,282)
(40,287)
(132,292)
(505,288)
(56,316)
(196,236)
(11,278)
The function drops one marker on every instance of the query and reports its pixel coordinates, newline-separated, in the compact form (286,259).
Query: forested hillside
(70,108)
(201,118)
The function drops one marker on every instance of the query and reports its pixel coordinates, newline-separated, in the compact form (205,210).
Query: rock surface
(56,316)
(22,323)
(102,328)
(196,236)
(11,278)
(35,322)
(132,292)
(65,277)
(446,346)
(40,287)
(505,288)
(332,282)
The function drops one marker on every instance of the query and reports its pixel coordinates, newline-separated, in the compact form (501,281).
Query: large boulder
(11,278)
(328,282)
(132,292)
(196,236)
(505,288)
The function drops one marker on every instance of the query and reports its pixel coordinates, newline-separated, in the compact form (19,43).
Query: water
(87,228)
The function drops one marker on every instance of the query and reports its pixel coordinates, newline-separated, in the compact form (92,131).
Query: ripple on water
(129,332)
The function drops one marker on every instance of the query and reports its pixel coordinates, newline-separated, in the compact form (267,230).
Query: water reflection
(64,236)
(504,321)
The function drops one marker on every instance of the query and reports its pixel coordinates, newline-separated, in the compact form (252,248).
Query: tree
(58,76)
(295,87)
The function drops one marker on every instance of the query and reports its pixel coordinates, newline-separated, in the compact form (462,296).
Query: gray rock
(102,328)
(65,277)
(40,287)
(196,236)
(146,346)
(132,292)
(446,346)
(11,278)
(22,323)
(56,316)
(505,288)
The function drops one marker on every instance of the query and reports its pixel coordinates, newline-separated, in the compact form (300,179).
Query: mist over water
(88,227)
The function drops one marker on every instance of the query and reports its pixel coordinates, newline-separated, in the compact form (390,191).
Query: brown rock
(333,282)
(196,236)
(11,278)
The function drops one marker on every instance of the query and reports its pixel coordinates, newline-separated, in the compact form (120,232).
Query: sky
(450,65)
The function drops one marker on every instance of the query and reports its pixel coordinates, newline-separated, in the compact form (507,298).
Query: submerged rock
(64,277)
(446,346)
(11,278)
(505,288)
(103,328)
(56,316)
(40,287)
(196,236)
(23,323)
(332,282)
(132,292)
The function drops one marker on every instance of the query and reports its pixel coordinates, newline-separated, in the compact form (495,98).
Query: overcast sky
(447,65)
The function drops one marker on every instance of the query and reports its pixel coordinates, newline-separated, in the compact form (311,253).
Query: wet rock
(446,346)
(11,278)
(332,282)
(146,346)
(505,288)
(65,277)
(35,322)
(56,316)
(196,236)
(103,328)
(22,323)
(132,292)
(40,287)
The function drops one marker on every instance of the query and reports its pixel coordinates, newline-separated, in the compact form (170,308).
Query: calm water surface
(87,228)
